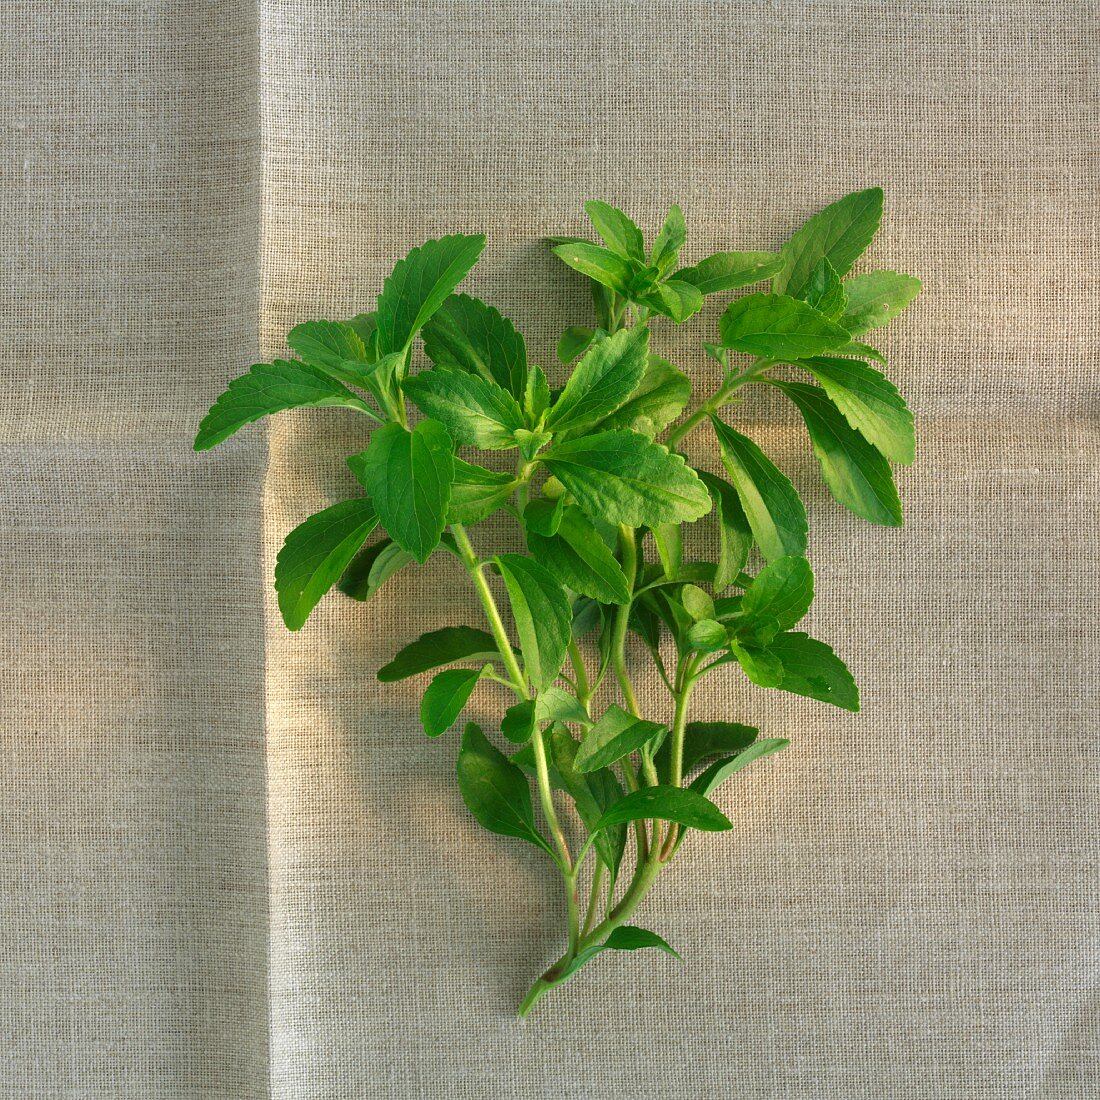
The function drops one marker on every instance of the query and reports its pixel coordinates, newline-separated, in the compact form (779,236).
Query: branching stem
(717,399)
(519,682)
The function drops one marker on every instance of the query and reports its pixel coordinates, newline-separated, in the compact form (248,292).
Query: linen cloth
(232,865)
(133,882)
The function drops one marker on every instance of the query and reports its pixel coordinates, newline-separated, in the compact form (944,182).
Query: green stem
(537,992)
(622,912)
(584,691)
(676,743)
(519,683)
(719,398)
(594,897)
(615,313)
(679,724)
(629,550)
(574,913)
(496,624)
(647,871)
(644,876)
(542,770)
(630,781)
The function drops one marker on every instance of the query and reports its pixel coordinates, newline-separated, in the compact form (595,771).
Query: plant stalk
(584,691)
(519,684)
(679,725)
(629,550)
(719,398)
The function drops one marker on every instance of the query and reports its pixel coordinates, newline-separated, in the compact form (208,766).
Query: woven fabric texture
(133,882)
(230,863)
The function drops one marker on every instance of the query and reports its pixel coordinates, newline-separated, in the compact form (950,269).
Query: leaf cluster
(601,491)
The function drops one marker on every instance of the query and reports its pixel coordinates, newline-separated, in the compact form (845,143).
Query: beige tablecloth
(230,864)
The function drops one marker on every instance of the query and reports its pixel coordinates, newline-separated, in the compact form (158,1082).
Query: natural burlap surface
(133,878)
(907,906)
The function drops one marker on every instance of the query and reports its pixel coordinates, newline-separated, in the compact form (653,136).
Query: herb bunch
(601,491)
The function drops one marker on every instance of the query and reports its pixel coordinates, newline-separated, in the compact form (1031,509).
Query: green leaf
(316,553)
(707,636)
(730,270)
(420,284)
(542,516)
(495,790)
(659,398)
(371,568)
(666,248)
(438,648)
(671,612)
(530,443)
(536,397)
(594,794)
(720,355)
(614,736)
(445,697)
(840,233)
(812,669)
(580,559)
(776,326)
(587,615)
(734,532)
(727,607)
(602,380)
(518,722)
(575,340)
(622,477)
(602,302)
(760,665)
(825,292)
(472,410)
(624,938)
(556,704)
(645,622)
(696,602)
(669,540)
(877,298)
(466,334)
(869,402)
(777,599)
(703,739)
(619,233)
(773,509)
(665,803)
(382,378)
(553,242)
(476,492)
(271,388)
(856,474)
(333,346)
(408,476)
(599,264)
(861,351)
(707,781)
(542,615)
(678,299)
(365,326)
(627,937)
